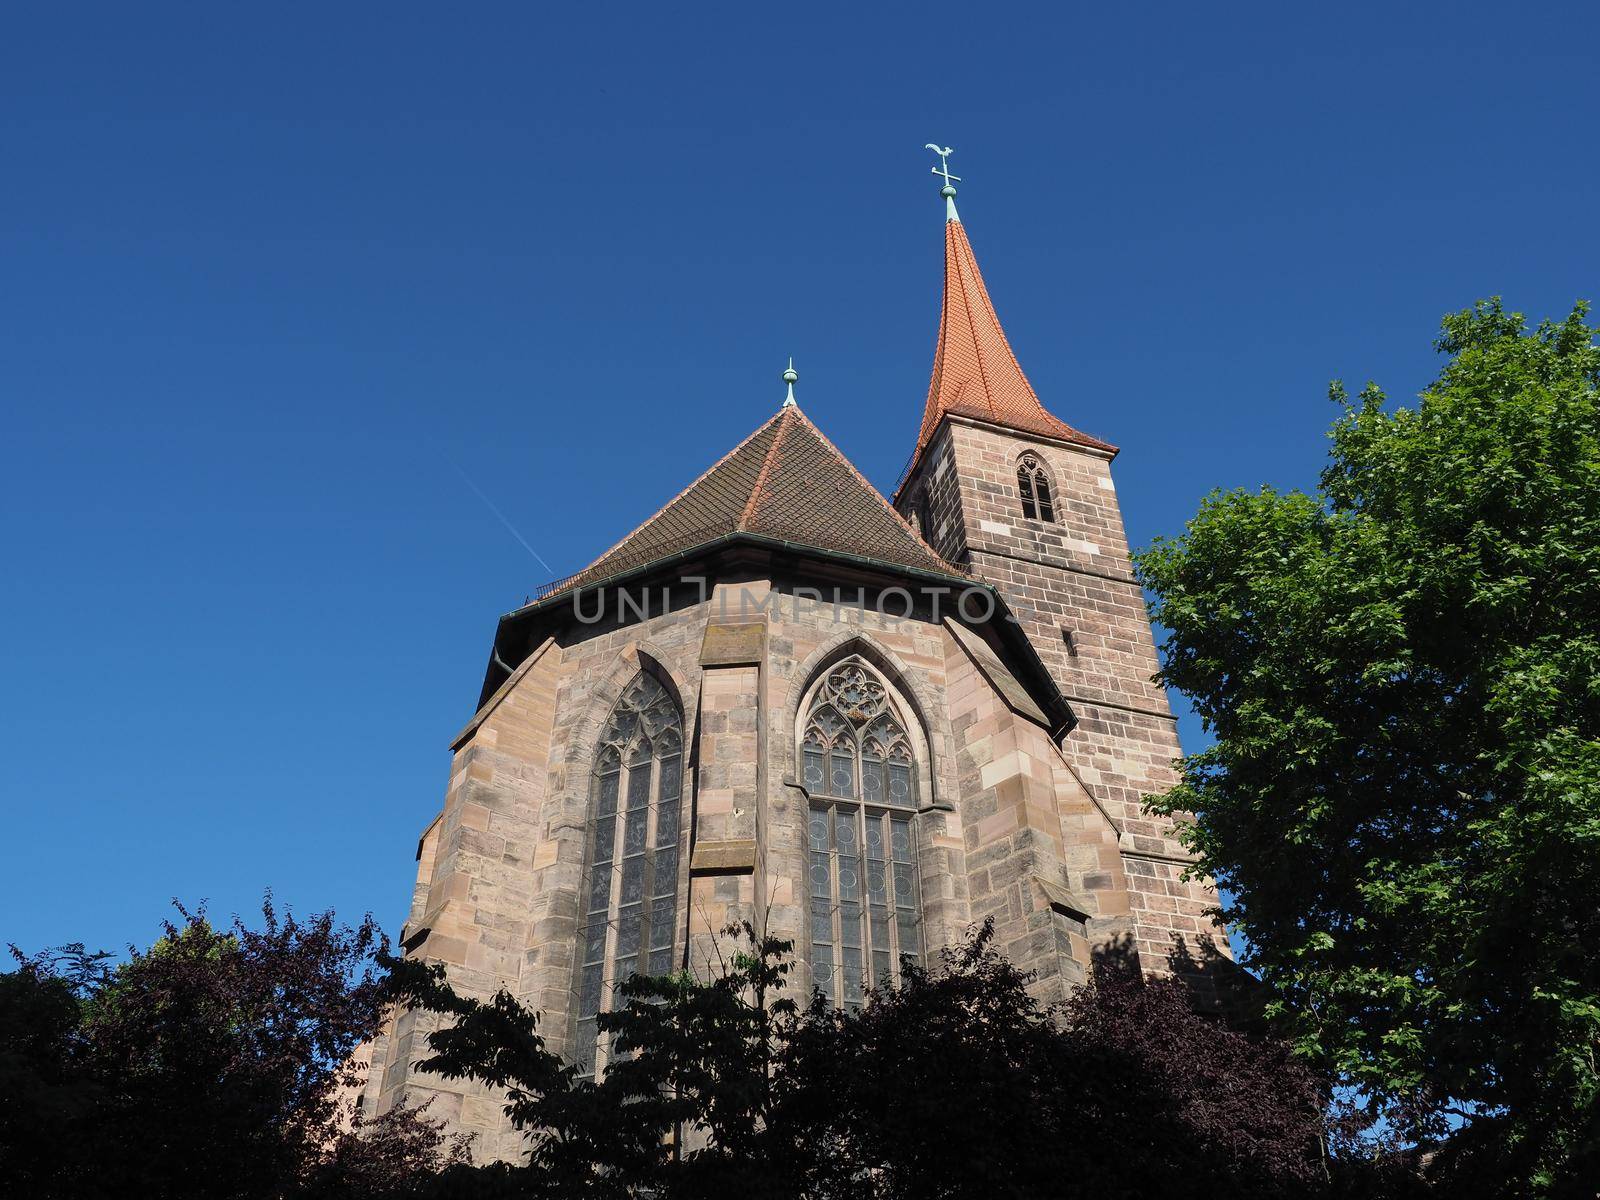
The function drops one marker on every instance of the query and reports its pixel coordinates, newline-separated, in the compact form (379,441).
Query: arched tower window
(858,768)
(1033,485)
(630,894)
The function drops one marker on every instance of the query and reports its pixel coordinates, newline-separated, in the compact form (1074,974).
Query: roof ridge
(700,478)
(933,379)
(972,321)
(766,466)
(881,498)
(1004,340)
(788,481)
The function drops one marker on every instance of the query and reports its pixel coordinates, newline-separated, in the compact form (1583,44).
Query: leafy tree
(707,1053)
(218,1063)
(680,1109)
(1402,673)
(955,1083)
(42,1094)
(958,1083)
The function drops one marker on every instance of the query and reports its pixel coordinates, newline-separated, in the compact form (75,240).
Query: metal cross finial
(944,163)
(948,191)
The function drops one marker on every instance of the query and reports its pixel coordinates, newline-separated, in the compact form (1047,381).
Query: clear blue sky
(267,278)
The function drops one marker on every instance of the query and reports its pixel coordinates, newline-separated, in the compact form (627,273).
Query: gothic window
(1033,485)
(630,894)
(861,866)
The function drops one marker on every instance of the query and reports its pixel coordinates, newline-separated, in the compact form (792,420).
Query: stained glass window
(857,767)
(630,892)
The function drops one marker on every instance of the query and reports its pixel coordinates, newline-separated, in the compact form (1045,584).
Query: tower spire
(975,372)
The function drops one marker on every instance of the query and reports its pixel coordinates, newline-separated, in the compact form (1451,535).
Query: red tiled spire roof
(785,481)
(975,373)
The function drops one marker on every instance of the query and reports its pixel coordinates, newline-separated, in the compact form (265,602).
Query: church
(861,724)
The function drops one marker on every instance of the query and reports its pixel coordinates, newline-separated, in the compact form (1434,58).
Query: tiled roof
(975,373)
(785,481)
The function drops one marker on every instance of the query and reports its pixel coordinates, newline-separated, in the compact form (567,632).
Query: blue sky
(279,289)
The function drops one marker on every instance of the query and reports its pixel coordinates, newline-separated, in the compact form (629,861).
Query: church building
(861,724)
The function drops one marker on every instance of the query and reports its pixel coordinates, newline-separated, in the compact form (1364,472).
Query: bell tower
(1026,502)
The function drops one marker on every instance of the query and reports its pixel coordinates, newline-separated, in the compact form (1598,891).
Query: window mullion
(647,882)
(613,894)
(836,908)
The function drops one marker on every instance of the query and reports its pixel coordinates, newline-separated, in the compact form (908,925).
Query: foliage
(218,1063)
(1402,673)
(954,1083)
(680,1108)
(42,1095)
(958,1083)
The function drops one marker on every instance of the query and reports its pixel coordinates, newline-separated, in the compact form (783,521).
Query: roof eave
(654,566)
(1062,717)
(1101,450)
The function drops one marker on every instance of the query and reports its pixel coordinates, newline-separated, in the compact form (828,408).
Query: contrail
(509,526)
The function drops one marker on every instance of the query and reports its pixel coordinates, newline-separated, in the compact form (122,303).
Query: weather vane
(944,164)
(948,191)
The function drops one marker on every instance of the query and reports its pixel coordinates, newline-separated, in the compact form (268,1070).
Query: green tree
(220,1063)
(1402,674)
(43,1094)
(680,1109)
(954,1084)
(957,1083)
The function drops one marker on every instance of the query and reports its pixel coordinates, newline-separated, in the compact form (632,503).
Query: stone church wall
(1004,831)
(1070,584)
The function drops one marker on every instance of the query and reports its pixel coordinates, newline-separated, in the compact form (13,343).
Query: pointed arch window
(630,892)
(856,760)
(1033,485)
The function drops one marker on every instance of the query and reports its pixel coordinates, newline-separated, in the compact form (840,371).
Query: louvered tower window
(1033,485)
(630,893)
(862,874)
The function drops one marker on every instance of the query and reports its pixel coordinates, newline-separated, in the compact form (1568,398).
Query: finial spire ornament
(948,191)
(791,377)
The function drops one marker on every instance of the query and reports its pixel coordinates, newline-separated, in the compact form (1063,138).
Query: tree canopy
(953,1083)
(220,1063)
(1402,674)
